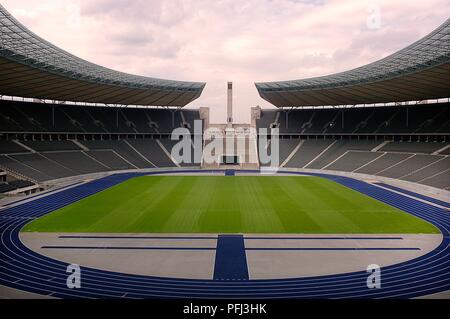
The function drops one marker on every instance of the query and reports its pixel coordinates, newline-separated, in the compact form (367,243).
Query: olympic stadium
(110,174)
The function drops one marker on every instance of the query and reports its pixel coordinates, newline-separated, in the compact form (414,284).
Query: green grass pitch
(237,204)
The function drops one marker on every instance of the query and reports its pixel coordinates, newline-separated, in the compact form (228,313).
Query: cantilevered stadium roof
(418,72)
(34,68)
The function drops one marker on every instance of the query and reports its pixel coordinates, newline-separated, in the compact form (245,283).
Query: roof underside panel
(418,72)
(34,68)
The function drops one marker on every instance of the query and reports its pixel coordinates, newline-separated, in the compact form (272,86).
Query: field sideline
(238,204)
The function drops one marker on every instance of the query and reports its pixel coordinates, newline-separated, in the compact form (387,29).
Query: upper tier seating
(37,117)
(431,118)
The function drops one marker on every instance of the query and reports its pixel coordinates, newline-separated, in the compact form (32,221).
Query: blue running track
(24,269)
(407,192)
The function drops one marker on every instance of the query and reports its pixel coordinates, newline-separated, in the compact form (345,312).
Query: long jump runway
(24,269)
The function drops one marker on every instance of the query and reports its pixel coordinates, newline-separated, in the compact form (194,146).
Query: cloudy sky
(245,41)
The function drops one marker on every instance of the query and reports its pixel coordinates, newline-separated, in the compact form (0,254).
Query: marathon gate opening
(230,160)
(219,145)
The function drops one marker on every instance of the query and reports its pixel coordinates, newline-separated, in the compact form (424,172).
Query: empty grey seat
(441,180)
(77,162)
(46,146)
(339,148)
(45,165)
(410,165)
(309,150)
(23,169)
(9,147)
(352,161)
(383,162)
(169,144)
(153,152)
(110,159)
(413,147)
(430,170)
(121,148)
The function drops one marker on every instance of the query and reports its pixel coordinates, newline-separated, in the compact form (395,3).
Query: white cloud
(220,40)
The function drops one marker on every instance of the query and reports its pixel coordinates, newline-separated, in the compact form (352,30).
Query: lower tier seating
(419,162)
(426,163)
(48,160)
